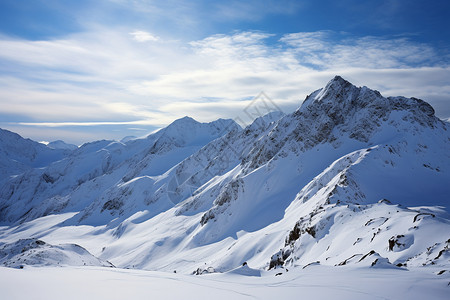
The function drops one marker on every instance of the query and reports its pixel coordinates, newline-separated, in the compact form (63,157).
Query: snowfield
(347,197)
(315,282)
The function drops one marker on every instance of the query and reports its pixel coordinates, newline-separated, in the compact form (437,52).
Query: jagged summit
(338,86)
(340,108)
(334,87)
(341,96)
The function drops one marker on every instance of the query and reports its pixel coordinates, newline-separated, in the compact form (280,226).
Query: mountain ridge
(349,178)
(91,161)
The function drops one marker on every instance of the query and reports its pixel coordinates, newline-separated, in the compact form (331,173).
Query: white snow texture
(348,193)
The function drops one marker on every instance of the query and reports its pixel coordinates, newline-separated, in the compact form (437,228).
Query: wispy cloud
(106,78)
(64,124)
(327,50)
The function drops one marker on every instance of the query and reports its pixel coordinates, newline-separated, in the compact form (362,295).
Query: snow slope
(94,169)
(312,283)
(39,253)
(351,182)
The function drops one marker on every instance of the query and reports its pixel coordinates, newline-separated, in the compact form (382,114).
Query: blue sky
(86,70)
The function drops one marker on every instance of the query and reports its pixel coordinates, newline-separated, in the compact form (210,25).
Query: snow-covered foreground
(314,282)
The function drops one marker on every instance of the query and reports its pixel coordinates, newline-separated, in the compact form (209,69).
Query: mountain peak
(335,91)
(339,80)
(185,120)
(337,84)
(340,97)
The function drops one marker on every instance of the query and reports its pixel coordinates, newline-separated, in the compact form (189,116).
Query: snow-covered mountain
(38,253)
(350,178)
(95,170)
(61,145)
(18,155)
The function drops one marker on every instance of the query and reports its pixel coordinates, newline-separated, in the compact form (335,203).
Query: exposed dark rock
(113,204)
(47,178)
(372,252)
(422,214)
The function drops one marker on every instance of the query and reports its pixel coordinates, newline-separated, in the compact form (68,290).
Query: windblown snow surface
(345,198)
